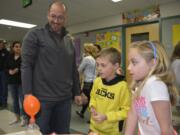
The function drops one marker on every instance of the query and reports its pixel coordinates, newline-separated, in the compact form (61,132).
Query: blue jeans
(3,88)
(54,116)
(17,98)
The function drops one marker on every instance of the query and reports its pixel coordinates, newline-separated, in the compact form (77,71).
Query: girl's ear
(152,62)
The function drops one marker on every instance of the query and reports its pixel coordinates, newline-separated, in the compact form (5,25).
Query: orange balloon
(31,106)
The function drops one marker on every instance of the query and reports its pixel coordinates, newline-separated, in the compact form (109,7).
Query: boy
(110,96)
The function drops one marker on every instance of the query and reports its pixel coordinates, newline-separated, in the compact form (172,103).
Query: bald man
(49,71)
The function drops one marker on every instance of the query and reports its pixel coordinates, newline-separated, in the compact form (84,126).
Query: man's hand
(78,100)
(26,95)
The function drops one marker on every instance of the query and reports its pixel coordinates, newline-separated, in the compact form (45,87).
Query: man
(49,71)
(4,54)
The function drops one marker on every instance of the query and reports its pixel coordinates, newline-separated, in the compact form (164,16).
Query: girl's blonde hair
(90,49)
(161,69)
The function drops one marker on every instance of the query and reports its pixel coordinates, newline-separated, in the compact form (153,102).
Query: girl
(14,81)
(175,65)
(88,70)
(153,90)
(110,96)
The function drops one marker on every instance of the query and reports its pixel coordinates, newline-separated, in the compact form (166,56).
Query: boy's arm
(124,104)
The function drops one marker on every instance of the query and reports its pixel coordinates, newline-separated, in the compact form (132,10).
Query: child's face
(105,68)
(138,67)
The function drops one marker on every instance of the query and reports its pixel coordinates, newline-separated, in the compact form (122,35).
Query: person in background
(4,54)
(175,65)
(98,48)
(14,82)
(49,71)
(175,59)
(87,69)
(110,95)
(152,88)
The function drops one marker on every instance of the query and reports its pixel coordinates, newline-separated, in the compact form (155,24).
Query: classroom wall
(167,32)
(166,10)
(86,32)
(105,22)
(170,9)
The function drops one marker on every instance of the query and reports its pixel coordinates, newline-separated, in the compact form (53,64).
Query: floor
(78,125)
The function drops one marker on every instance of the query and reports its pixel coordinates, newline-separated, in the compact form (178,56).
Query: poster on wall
(176,35)
(109,39)
(146,14)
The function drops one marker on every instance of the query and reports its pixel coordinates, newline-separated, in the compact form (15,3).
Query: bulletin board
(176,33)
(109,39)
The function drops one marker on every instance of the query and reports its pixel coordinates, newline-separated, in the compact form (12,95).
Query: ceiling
(79,11)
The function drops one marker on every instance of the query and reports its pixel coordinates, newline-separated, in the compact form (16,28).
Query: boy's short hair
(113,53)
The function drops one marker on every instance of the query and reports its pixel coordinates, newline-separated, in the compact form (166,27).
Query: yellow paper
(176,33)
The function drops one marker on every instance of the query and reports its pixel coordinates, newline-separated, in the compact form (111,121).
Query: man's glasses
(59,18)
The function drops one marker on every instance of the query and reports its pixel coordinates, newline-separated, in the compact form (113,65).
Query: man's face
(56,17)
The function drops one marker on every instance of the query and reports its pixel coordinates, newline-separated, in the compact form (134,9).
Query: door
(137,33)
